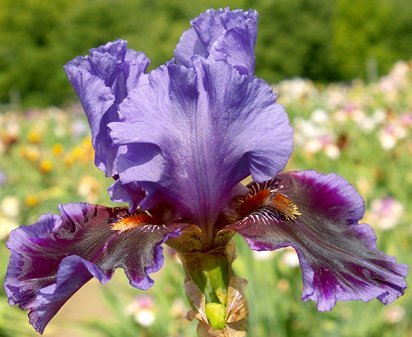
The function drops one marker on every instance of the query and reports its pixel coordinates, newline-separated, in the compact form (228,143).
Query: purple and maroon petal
(53,258)
(319,215)
(102,80)
(221,35)
(193,134)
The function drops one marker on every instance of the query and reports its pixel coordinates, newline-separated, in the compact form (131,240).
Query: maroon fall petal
(53,258)
(319,215)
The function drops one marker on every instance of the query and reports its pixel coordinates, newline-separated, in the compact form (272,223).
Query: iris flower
(178,142)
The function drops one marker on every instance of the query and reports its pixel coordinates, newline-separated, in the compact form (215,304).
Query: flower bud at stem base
(215,293)
(216,314)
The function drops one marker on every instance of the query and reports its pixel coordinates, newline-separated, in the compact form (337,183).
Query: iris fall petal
(53,258)
(318,215)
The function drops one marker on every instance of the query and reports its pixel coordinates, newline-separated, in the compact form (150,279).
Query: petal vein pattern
(338,256)
(102,80)
(192,134)
(221,35)
(56,256)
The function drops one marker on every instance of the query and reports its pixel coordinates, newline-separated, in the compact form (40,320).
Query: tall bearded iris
(178,141)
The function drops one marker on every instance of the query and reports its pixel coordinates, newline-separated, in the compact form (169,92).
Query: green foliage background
(319,39)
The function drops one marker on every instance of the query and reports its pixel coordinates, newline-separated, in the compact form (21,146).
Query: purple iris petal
(193,133)
(130,193)
(222,35)
(338,255)
(102,80)
(53,258)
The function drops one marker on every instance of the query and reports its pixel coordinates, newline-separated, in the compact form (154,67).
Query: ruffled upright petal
(193,134)
(131,193)
(56,256)
(318,215)
(221,35)
(102,80)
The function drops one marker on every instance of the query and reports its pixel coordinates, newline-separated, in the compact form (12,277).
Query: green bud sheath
(216,314)
(214,291)
(210,272)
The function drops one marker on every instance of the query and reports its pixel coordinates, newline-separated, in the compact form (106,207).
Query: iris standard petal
(318,215)
(130,193)
(102,80)
(222,35)
(53,258)
(194,133)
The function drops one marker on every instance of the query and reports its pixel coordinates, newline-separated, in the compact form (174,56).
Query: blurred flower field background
(361,131)
(353,117)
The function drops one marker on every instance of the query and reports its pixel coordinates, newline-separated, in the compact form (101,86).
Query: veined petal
(56,256)
(222,35)
(102,80)
(194,133)
(318,215)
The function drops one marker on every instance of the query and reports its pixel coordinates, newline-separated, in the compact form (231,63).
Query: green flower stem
(210,272)
(215,292)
